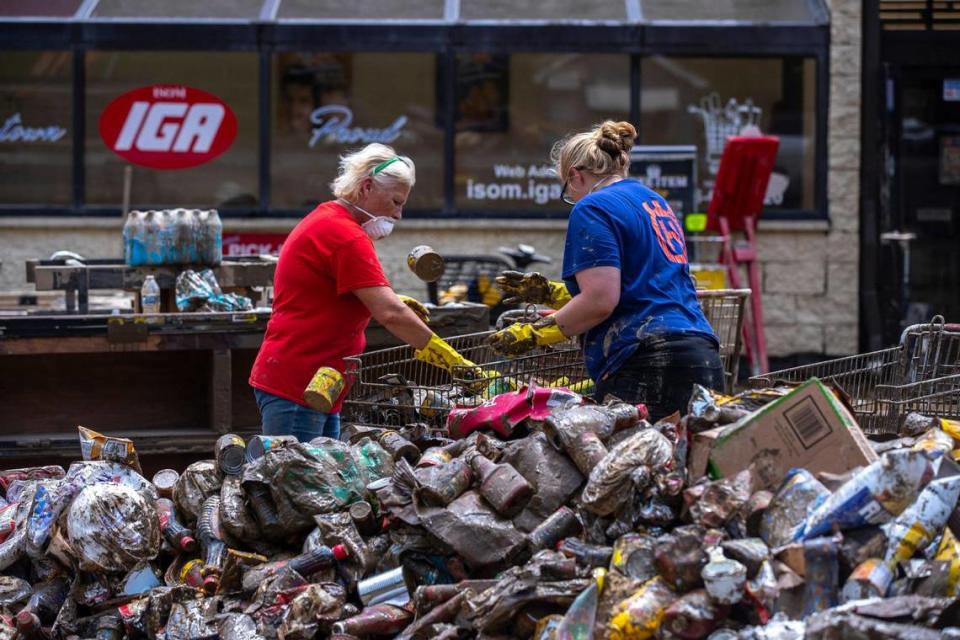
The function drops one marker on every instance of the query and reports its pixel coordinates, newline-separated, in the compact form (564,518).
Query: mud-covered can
(324,389)
(425,263)
(871,579)
(230,452)
(561,524)
(164,480)
(257,446)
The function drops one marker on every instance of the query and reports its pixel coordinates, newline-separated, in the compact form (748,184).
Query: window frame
(444,38)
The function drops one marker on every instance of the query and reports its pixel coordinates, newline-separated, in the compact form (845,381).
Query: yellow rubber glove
(414,305)
(518,339)
(489,295)
(439,353)
(532,288)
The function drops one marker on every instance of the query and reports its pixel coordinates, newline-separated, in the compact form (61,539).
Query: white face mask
(377,227)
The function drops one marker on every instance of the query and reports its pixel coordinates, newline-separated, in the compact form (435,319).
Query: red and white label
(168,126)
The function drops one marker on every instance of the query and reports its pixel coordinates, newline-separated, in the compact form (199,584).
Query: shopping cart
(389,387)
(921,374)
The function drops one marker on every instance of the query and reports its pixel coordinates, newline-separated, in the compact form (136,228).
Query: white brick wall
(811,279)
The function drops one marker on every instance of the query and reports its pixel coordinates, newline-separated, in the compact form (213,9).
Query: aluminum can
(425,263)
(324,389)
(230,452)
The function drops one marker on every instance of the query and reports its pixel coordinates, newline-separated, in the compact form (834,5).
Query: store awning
(623,25)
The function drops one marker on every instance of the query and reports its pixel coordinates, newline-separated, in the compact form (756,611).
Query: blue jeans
(282,417)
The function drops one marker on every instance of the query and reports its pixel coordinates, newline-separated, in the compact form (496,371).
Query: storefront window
(701,101)
(36,127)
(187,121)
(511,109)
(325,104)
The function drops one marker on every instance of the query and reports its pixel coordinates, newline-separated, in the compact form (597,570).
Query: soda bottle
(150,295)
(42,608)
(305,564)
(176,534)
(211,539)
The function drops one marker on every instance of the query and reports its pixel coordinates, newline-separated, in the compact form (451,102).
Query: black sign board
(671,171)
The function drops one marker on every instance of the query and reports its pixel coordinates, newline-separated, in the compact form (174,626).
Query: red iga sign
(168,126)
(236,245)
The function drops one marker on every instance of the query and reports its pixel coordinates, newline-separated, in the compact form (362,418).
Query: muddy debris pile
(550,517)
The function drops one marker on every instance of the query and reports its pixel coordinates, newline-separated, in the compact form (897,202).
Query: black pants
(662,372)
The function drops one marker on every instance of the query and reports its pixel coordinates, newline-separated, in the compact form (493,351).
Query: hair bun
(616,137)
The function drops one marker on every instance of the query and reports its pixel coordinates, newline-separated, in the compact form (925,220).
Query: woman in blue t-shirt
(626,282)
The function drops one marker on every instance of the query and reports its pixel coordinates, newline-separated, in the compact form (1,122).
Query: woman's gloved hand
(532,288)
(518,339)
(439,353)
(414,305)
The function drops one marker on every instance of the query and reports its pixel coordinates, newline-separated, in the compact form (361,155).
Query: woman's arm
(394,315)
(599,296)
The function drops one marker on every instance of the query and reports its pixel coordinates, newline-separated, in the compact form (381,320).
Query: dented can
(398,446)
(426,263)
(633,556)
(639,616)
(871,579)
(257,446)
(164,480)
(821,562)
(230,452)
(502,486)
(586,554)
(389,586)
(561,524)
(695,615)
(324,389)
(441,485)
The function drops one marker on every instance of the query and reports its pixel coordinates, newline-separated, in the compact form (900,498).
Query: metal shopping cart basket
(921,374)
(389,387)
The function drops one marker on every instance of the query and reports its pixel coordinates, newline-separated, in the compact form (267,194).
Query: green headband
(386,163)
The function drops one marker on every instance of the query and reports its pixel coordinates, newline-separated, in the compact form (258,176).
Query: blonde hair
(360,164)
(603,150)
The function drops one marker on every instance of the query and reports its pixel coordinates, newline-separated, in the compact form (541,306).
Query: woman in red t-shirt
(328,284)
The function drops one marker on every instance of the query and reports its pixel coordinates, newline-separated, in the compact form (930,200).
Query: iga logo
(168,126)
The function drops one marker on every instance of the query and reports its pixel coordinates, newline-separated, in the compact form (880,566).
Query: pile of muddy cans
(584,523)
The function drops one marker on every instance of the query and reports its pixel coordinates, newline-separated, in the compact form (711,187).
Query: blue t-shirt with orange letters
(628,226)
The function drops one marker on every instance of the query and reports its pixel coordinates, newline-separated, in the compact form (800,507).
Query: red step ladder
(736,206)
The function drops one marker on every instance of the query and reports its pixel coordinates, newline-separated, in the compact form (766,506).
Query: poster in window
(482,86)
(950,160)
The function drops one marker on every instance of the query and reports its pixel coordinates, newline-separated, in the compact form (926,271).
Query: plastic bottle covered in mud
(264,509)
(150,295)
(306,564)
(179,537)
(211,537)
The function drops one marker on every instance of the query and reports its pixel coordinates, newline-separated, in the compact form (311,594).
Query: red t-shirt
(316,320)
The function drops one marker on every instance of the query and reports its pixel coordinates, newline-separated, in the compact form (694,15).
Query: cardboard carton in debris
(808,428)
(701,444)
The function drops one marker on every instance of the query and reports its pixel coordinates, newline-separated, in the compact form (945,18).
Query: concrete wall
(809,270)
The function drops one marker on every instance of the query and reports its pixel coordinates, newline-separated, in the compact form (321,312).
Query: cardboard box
(701,444)
(808,428)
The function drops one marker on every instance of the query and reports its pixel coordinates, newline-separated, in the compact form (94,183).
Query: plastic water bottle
(150,295)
